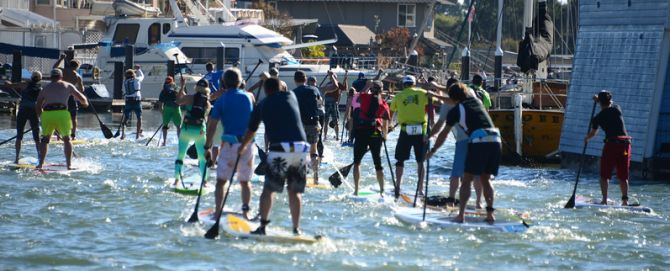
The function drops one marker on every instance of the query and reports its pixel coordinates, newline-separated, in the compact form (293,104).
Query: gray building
(622,46)
(377,15)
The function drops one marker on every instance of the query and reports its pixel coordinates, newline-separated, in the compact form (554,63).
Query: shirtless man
(52,108)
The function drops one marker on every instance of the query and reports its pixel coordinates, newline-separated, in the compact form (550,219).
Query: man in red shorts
(616,152)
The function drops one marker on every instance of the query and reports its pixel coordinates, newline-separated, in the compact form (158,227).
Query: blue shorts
(458,168)
(132,106)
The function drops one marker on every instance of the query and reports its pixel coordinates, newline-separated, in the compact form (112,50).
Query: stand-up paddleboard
(191,186)
(323,183)
(235,225)
(446,219)
(78,141)
(369,196)
(206,216)
(589,202)
(19,166)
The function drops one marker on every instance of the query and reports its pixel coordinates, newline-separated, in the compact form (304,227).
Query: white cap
(409,79)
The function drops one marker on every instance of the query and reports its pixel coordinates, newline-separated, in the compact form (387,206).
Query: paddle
(430,120)
(192,152)
(152,137)
(213,232)
(118,130)
(12,138)
(249,77)
(571,201)
(105,130)
(336,178)
(194,215)
(260,169)
(396,191)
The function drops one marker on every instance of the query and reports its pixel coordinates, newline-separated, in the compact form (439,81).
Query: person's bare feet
(490,218)
(459,218)
(603,202)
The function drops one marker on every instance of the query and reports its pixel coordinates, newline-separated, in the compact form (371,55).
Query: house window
(126,33)
(407,15)
(154,33)
(43,2)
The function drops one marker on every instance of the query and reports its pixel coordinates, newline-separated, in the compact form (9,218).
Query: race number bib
(416,129)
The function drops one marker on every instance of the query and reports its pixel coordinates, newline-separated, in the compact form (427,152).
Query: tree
(314,51)
(397,38)
(274,19)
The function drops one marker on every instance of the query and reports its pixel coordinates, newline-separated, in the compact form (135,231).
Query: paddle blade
(571,203)
(192,152)
(106,131)
(345,170)
(194,217)
(335,179)
(213,232)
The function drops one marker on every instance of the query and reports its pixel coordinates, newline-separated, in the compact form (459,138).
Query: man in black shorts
(308,101)
(483,155)
(287,158)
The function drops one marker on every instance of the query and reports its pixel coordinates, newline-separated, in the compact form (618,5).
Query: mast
(499,52)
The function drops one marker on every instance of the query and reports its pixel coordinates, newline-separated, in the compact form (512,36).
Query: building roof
(348,35)
(25,18)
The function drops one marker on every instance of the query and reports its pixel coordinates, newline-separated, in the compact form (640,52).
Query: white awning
(25,18)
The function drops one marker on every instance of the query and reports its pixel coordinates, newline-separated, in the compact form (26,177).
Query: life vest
(30,94)
(368,115)
(196,115)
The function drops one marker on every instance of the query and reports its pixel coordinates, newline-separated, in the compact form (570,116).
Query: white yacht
(244,45)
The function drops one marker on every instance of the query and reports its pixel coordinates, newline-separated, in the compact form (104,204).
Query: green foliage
(447,23)
(314,51)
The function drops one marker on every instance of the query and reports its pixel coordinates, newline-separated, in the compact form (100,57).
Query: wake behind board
(443,219)
(589,202)
(191,186)
(235,225)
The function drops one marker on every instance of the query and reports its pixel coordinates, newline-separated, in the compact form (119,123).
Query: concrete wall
(353,13)
(619,48)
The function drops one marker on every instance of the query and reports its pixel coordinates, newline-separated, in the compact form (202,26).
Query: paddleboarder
(308,99)
(288,157)
(332,92)
(371,130)
(274,73)
(410,105)
(71,76)
(484,147)
(233,110)
(29,93)
(321,110)
(460,150)
(52,108)
(171,111)
(193,130)
(213,77)
(133,99)
(616,152)
(477,87)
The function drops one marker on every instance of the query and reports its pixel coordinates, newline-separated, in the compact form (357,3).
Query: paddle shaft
(571,201)
(214,230)
(388,159)
(194,216)
(152,137)
(430,121)
(249,77)
(17,135)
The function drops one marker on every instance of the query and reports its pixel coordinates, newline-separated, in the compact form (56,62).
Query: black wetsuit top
(476,116)
(281,115)
(308,97)
(611,120)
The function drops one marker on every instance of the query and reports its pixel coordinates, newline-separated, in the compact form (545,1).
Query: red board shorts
(615,155)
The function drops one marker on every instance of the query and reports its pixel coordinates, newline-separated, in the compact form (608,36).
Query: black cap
(604,96)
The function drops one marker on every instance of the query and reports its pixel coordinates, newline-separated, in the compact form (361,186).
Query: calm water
(120,214)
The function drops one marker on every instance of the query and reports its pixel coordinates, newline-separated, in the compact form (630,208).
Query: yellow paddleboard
(239,227)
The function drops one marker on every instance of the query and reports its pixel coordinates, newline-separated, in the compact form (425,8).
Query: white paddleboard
(369,196)
(446,219)
(588,202)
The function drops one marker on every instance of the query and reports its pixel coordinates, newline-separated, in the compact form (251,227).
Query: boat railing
(542,97)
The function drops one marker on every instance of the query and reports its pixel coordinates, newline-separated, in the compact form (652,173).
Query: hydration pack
(367,116)
(197,113)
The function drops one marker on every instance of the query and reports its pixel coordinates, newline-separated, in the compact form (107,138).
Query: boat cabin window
(154,33)
(201,55)
(126,33)
(166,28)
(232,55)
